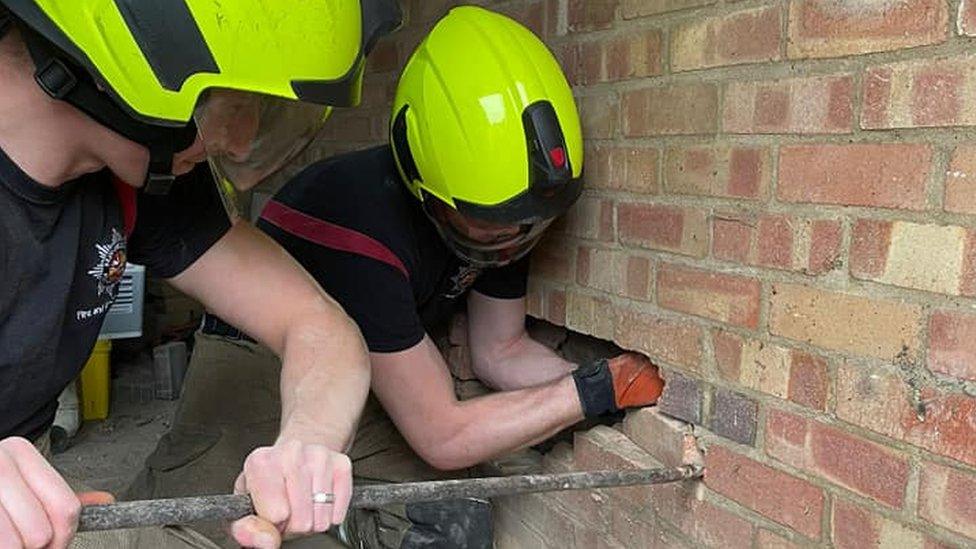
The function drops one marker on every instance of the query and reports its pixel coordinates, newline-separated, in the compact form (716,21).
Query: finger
(240,485)
(321,482)
(298,482)
(23,508)
(8,533)
(57,499)
(96,498)
(266,484)
(255,532)
(341,487)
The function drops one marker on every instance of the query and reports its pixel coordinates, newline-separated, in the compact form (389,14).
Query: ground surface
(108,454)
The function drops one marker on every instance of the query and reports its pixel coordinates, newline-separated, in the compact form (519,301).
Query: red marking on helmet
(558,157)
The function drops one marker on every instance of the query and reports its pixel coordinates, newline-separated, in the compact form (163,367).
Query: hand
(625,381)
(281,480)
(37,507)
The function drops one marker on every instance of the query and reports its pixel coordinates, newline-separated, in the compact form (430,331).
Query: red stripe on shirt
(127,199)
(329,235)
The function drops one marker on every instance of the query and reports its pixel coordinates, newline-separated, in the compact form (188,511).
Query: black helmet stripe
(169,39)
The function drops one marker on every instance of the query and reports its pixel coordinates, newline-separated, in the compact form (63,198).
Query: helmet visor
(250,136)
(482,243)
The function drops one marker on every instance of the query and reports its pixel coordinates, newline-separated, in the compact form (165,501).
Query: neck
(51,141)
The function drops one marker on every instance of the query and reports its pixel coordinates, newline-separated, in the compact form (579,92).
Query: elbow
(445,449)
(444,458)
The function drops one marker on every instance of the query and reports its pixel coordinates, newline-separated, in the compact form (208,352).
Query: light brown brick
(614,271)
(661,339)
(683,109)
(590,315)
(809,105)
(912,94)
(839,321)
(631,9)
(960,183)
(726,298)
(946,498)
(749,36)
(732,172)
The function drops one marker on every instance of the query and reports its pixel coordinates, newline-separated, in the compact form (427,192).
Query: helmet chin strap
(61,81)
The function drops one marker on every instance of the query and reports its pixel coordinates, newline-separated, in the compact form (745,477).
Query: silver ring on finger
(324,498)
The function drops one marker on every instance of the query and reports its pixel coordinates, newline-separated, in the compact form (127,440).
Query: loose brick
(952,344)
(659,227)
(661,339)
(553,260)
(726,298)
(675,110)
(749,36)
(827,28)
(960,183)
(668,440)
(631,9)
(876,175)
(940,422)
(614,271)
(781,497)
(772,369)
(811,105)
(589,315)
(590,218)
(910,255)
(734,417)
(856,464)
(682,397)
(589,15)
(732,172)
(840,321)
(855,527)
(603,448)
(598,115)
(910,94)
(946,498)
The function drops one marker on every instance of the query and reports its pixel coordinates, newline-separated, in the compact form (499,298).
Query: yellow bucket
(95,382)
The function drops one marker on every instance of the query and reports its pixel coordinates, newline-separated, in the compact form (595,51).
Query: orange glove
(625,381)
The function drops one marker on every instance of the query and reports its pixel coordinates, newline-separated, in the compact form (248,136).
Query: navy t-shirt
(353,225)
(62,255)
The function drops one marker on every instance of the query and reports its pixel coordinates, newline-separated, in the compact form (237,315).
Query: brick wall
(779,211)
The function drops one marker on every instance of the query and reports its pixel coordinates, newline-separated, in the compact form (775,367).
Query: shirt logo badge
(111,264)
(463,280)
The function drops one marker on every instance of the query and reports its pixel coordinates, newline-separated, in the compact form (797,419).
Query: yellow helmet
(140,66)
(485,128)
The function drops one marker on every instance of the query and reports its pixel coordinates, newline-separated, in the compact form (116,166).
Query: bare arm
(503,355)
(416,389)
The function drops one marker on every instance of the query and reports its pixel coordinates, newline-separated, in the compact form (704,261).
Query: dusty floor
(108,454)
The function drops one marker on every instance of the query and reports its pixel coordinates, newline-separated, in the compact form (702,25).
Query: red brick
(553,260)
(768,540)
(635,55)
(668,440)
(598,115)
(910,255)
(603,448)
(614,271)
(674,110)
(911,94)
(797,105)
(661,339)
(749,36)
(659,227)
(808,380)
(960,184)
(877,175)
(556,307)
(775,245)
(781,497)
(827,28)
(631,9)
(588,15)
(952,344)
(825,242)
(838,321)
(945,497)
(966,18)
(726,298)
(941,422)
(854,527)
(707,524)
(732,172)
(590,218)
(590,315)
(732,238)
(842,458)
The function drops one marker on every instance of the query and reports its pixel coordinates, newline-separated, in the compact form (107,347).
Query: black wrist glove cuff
(594,383)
